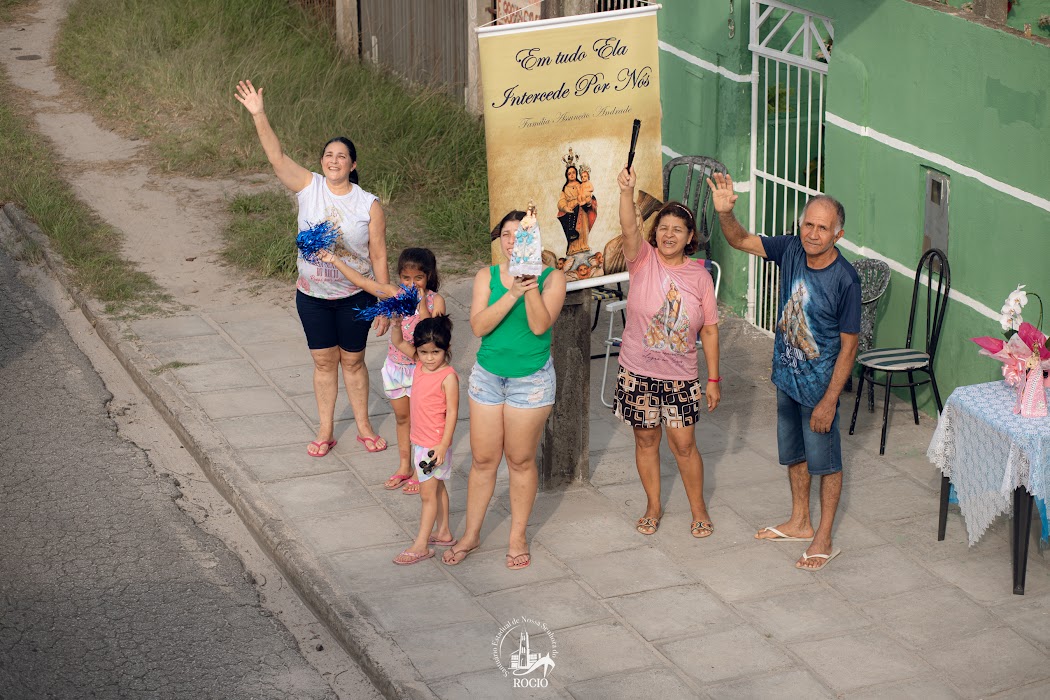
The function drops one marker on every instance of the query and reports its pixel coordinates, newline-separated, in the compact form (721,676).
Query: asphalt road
(107,588)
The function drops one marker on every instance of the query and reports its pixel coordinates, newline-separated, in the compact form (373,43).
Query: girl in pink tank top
(434,410)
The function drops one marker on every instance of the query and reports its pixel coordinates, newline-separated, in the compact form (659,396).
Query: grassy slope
(166,71)
(30,176)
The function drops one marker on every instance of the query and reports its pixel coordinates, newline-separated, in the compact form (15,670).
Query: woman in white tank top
(326,300)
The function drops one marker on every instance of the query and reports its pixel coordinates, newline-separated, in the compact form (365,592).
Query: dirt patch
(172,226)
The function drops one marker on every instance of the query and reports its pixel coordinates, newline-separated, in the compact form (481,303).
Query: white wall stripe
(958,296)
(936,159)
(706,65)
(737,186)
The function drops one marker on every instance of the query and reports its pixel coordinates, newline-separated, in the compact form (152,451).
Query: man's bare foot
(787,529)
(817,556)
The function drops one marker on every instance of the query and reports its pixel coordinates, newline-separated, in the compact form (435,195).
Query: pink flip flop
(411,482)
(371,442)
(400,479)
(447,543)
(412,557)
(319,444)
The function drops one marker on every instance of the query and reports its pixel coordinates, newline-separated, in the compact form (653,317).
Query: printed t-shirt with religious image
(815,306)
(350,213)
(666,308)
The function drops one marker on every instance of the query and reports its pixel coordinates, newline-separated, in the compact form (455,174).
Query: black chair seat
(893,359)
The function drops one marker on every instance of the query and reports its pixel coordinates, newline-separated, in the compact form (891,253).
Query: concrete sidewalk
(898,614)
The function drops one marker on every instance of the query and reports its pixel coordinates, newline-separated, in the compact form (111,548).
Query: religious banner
(560,98)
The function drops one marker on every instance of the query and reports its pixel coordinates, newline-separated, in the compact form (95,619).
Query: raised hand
(251,98)
(522,284)
(626,180)
(722,195)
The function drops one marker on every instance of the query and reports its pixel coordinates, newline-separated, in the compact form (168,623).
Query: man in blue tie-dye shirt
(818,322)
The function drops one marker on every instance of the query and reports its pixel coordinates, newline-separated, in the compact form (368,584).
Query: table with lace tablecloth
(994,459)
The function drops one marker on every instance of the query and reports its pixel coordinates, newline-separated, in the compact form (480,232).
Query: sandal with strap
(648,523)
(699,526)
(398,480)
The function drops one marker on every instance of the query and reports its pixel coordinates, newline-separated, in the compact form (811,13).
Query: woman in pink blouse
(671,300)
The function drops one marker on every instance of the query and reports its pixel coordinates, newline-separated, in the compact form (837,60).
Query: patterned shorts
(422,456)
(644,402)
(397,379)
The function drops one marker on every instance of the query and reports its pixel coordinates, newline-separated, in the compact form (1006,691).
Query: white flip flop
(826,557)
(781,537)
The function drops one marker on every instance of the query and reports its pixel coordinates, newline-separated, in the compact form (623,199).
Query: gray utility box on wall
(935,223)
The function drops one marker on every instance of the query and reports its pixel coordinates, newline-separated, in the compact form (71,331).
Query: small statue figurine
(526,258)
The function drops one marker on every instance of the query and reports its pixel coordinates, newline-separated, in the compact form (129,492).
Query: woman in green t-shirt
(511,391)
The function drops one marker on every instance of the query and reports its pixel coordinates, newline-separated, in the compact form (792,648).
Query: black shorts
(332,322)
(645,402)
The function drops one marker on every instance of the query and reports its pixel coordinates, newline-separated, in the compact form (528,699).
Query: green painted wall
(970,93)
(707,114)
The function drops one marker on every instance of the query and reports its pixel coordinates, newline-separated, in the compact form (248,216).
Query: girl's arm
(632,234)
(542,309)
(369,285)
(292,175)
(451,388)
(398,339)
(485,318)
(709,337)
(439,305)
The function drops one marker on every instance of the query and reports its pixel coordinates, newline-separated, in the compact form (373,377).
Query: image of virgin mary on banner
(560,98)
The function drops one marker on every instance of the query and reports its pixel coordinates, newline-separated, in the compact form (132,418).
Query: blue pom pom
(404,304)
(318,237)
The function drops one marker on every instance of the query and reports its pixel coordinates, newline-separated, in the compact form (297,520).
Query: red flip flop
(401,478)
(319,444)
(371,442)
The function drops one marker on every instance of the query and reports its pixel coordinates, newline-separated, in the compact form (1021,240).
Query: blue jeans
(532,391)
(797,443)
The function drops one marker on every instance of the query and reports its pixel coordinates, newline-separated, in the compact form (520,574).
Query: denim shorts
(533,391)
(822,452)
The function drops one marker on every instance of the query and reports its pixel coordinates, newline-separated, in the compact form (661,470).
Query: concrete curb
(386,665)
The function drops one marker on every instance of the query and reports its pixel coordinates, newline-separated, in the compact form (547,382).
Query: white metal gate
(790,50)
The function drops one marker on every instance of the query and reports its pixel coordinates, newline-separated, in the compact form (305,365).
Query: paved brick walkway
(896,615)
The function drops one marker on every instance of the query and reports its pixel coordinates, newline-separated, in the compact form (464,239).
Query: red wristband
(716,380)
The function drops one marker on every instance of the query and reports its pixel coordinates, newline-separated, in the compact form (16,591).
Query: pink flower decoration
(1034,339)
(992,345)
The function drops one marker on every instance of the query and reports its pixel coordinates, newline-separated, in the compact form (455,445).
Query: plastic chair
(612,341)
(600,294)
(696,195)
(874,279)
(934,272)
